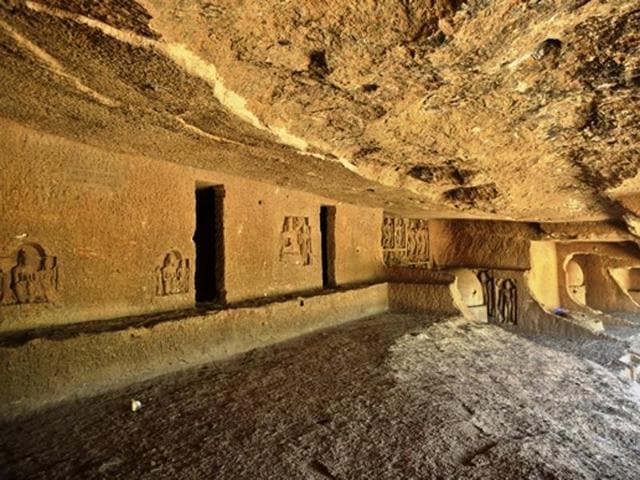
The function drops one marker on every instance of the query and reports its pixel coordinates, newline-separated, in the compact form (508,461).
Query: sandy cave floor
(394,396)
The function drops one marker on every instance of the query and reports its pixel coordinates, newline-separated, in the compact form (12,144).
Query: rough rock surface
(394,396)
(507,109)
(489,105)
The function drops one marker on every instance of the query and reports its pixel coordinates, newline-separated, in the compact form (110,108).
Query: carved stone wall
(174,275)
(405,242)
(295,241)
(106,219)
(28,276)
(500,296)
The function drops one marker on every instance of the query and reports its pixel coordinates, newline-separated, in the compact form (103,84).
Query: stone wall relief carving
(28,276)
(295,241)
(405,242)
(500,297)
(507,302)
(488,292)
(174,275)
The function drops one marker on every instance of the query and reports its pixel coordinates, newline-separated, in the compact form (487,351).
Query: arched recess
(470,290)
(575,281)
(603,291)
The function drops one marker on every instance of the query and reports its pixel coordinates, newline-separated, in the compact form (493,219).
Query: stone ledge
(44,371)
(39,371)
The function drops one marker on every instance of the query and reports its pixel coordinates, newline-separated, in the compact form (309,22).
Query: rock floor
(394,396)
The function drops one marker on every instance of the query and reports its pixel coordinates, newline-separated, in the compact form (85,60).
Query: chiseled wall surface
(105,223)
(480,244)
(358,250)
(254,222)
(107,220)
(420,298)
(543,278)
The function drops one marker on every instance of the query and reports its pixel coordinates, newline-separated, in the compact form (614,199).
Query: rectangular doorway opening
(328,240)
(209,243)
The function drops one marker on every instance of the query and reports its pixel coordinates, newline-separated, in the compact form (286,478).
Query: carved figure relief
(399,235)
(28,276)
(501,298)
(405,242)
(387,233)
(488,292)
(295,240)
(173,276)
(507,302)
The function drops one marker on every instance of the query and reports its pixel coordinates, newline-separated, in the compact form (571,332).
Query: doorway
(328,240)
(209,243)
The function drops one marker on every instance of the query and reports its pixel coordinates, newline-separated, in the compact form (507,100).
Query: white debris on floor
(135,405)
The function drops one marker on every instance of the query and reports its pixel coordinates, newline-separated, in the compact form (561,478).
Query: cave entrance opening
(209,244)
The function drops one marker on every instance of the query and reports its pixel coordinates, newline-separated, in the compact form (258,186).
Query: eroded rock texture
(509,109)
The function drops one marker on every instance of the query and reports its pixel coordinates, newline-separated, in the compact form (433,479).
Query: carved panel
(28,276)
(295,241)
(405,242)
(500,297)
(174,275)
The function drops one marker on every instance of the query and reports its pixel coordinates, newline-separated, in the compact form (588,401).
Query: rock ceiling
(509,109)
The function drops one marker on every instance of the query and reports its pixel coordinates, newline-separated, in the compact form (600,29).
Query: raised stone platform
(393,396)
(37,370)
(46,366)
